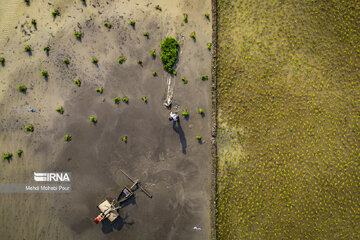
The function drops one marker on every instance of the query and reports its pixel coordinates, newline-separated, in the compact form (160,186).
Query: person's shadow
(177,128)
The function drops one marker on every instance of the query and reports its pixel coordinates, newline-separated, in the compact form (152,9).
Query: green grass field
(289,110)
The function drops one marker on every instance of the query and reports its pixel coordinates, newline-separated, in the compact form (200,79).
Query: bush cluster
(169,53)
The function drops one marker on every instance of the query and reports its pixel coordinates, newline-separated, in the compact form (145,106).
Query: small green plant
(154,74)
(209,46)
(94,60)
(99,90)
(204,77)
(29,128)
(121,60)
(185,113)
(139,62)
(125,100)
(108,25)
(66,61)
(19,152)
(33,22)
(132,23)
(193,36)
(169,53)
(153,53)
(67,137)
(184,80)
(198,138)
(55,13)
(44,74)
(146,34)
(117,100)
(46,49)
(22,88)
(92,119)
(157,7)
(2,60)
(144,99)
(60,110)
(27,49)
(7,156)
(201,111)
(77,82)
(78,35)
(185,18)
(207,16)
(124,138)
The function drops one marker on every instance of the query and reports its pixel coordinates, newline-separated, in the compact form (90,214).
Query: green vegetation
(94,60)
(67,138)
(193,36)
(185,81)
(146,34)
(121,60)
(157,7)
(139,62)
(55,13)
(207,16)
(124,138)
(2,60)
(144,99)
(78,35)
(117,100)
(27,1)
(201,111)
(185,18)
(27,49)
(44,74)
(125,100)
(77,82)
(132,23)
(7,156)
(108,25)
(198,138)
(99,90)
(154,74)
(19,152)
(60,110)
(209,46)
(66,61)
(153,53)
(169,53)
(204,77)
(185,113)
(46,49)
(29,128)
(33,22)
(289,124)
(22,88)
(92,119)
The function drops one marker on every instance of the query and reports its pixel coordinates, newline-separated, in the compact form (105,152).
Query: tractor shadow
(108,227)
(178,129)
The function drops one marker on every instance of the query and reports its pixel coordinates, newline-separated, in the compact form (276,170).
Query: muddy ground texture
(165,156)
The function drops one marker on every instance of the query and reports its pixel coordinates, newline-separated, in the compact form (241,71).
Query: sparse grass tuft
(193,36)
(27,49)
(92,119)
(185,18)
(60,110)
(117,100)
(185,81)
(19,152)
(46,49)
(99,90)
(66,61)
(22,88)
(29,128)
(77,82)
(44,74)
(67,138)
(125,100)
(204,77)
(78,35)
(157,7)
(121,60)
(132,23)
(108,25)
(94,60)
(124,139)
(55,13)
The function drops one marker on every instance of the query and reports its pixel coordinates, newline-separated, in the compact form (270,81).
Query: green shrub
(2,60)
(29,128)
(78,35)
(139,62)
(193,36)
(77,82)
(184,80)
(99,90)
(33,22)
(153,53)
(198,138)
(209,46)
(44,73)
(60,110)
(125,100)
(92,119)
(67,137)
(94,60)
(19,152)
(144,99)
(204,77)
(185,113)
(117,100)
(132,23)
(154,74)
(22,88)
(55,13)
(157,7)
(7,156)
(27,49)
(121,60)
(108,25)
(185,18)
(146,34)
(207,16)
(46,49)
(124,138)
(169,53)
(66,61)
(201,111)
